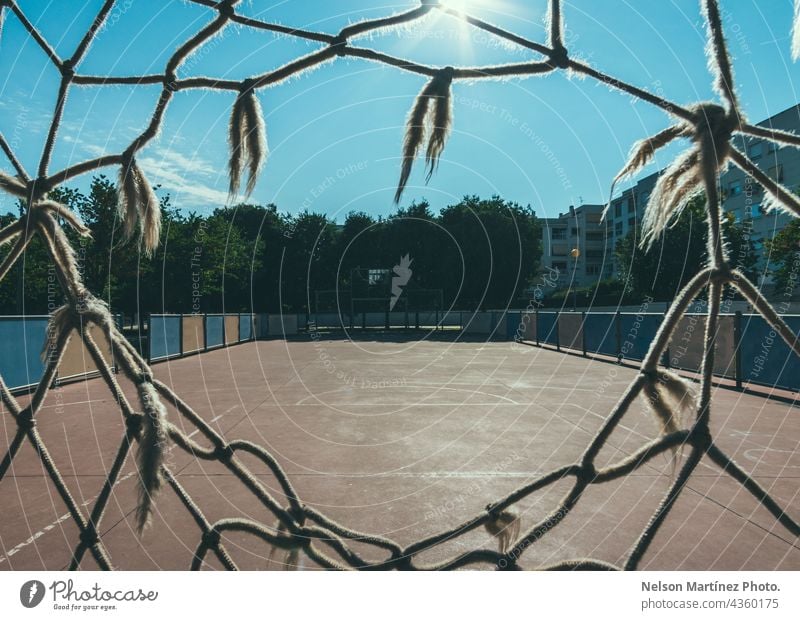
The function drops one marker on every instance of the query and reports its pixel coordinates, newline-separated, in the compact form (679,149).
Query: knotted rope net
(299,528)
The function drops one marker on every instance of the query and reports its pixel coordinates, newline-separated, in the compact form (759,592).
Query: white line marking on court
(50,526)
(197,430)
(67,515)
(750,455)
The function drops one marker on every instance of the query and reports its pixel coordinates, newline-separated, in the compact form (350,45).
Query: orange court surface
(403,438)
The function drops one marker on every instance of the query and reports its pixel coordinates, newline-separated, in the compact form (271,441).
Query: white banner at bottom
(397,595)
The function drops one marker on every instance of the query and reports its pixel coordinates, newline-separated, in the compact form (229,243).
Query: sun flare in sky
(450,17)
(465,6)
(453,12)
(456,5)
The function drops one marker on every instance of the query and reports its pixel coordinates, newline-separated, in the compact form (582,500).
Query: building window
(594,253)
(756,150)
(558,233)
(632,223)
(558,251)
(574,232)
(618,229)
(618,208)
(776,173)
(631,207)
(734,188)
(376,276)
(560,266)
(594,236)
(593,269)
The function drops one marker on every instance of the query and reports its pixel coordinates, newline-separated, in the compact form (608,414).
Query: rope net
(298,528)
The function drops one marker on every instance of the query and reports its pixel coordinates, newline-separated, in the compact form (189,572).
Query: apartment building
(573,245)
(740,194)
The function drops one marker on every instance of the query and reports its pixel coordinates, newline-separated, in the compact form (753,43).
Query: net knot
(714,122)
(128,158)
(297,513)
(722,274)
(700,436)
(248,85)
(89,537)
(144,376)
(36,188)
(559,57)
(226,9)
(586,473)
(339,44)
(224,453)
(302,537)
(171,81)
(26,421)
(447,73)
(68,69)
(134,424)
(211,538)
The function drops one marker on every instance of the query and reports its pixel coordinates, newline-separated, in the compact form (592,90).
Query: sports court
(403,438)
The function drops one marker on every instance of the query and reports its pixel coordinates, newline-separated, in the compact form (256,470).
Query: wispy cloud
(189,180)
(182,176)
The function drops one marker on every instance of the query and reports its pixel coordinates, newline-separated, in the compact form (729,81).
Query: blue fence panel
(164,336)
(332,320)
(245,327)
(547,327)
(600,333)
(512,324)
(766,359)
(21,353)
(398,319)
(215,329)
(637,331)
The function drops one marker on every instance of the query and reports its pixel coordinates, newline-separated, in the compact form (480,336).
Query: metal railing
(748,350)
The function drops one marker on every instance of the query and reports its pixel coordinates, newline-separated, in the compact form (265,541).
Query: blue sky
(335,133)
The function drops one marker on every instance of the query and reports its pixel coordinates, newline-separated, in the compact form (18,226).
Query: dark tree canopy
(477,253)
(679,254)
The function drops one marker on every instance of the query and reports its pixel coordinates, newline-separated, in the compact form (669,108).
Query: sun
(457,5)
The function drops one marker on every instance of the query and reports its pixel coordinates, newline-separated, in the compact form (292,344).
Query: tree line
(477,253)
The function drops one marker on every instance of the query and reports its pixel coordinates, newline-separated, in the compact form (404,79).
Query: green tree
(679,254)
(30,286)
(261,229)
(784,251)
(739,245)
(309,261)
(495,255)
(673,259)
